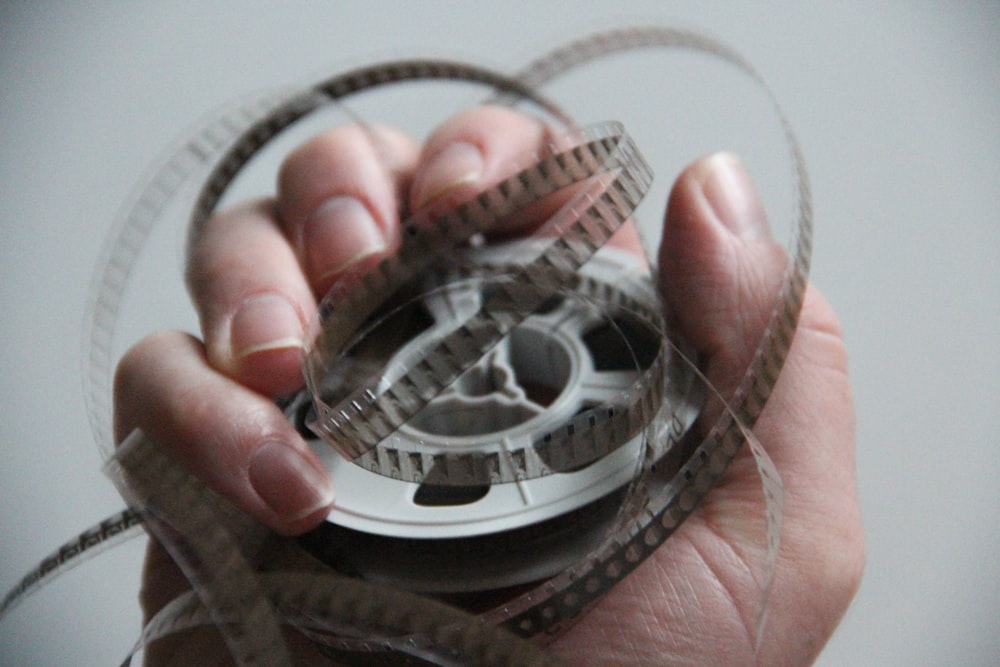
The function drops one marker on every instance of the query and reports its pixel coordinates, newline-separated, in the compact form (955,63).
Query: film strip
(642,426)
(367,415)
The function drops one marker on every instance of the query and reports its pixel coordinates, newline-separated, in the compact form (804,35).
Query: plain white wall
(897,107)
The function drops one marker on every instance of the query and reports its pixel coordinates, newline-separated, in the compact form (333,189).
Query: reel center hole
(515,383)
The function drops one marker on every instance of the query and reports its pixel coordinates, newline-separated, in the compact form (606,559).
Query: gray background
(898,110)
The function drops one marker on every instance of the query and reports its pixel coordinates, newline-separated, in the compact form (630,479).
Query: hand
(256,271)
(694,602)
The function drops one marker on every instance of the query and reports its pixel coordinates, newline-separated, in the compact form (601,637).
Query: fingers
(252,298)
(256,271)
(721,273)
(233,439)
(696,599)
(471,152)
(719,268)
(339,198)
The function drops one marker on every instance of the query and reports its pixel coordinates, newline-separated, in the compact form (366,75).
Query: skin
(255,275)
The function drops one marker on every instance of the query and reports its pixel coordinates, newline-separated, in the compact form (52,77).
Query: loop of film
(364,418)
(460,418)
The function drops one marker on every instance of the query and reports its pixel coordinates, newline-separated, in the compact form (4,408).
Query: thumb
(720,270)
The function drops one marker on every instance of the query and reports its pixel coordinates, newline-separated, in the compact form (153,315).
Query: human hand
(695,600)
(256,271)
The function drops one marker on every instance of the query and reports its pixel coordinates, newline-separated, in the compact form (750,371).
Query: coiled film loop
(653,499)
(370,413)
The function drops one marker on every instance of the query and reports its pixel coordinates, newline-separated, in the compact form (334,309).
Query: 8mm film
(512,427)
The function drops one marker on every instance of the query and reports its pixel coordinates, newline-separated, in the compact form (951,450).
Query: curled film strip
(457,412)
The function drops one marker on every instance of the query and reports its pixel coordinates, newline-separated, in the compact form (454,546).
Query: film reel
(367,415)
(543,406)
(493,398)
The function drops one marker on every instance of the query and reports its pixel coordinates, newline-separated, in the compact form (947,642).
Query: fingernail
(339,234)
(291,486)
(727,186)
(458,164)
(265,322)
